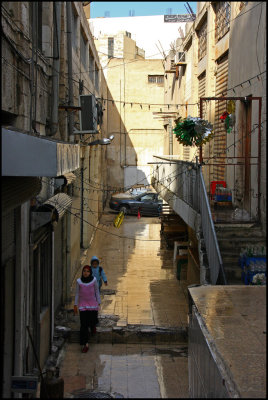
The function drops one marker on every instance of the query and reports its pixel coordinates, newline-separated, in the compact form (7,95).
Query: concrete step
(233,275)
(134,334)
(239,232)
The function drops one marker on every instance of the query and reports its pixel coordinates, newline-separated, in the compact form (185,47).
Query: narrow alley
(140,140)
(144,355)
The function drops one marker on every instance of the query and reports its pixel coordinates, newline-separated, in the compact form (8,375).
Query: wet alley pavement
(140,349)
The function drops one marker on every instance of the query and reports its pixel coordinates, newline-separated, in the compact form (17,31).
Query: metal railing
(213,252)
(185,180)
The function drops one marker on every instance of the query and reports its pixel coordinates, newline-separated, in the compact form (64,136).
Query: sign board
(24,384)
(179,18)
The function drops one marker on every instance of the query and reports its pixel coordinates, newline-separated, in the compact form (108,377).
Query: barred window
(156,79)
(223,15)
(202,41)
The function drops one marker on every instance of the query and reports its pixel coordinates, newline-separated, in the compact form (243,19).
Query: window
(110,47)
(156,79)
(39,25)
(83,49)
(96,77)
(202,41)
(223,14)
(91,66)
(74,27)
(148,197)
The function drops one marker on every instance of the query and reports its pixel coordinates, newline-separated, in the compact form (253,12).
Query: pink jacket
(87,295)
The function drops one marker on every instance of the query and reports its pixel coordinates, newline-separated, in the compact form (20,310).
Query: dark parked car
(147,203)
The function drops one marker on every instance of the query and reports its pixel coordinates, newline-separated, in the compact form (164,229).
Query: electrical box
(88,114)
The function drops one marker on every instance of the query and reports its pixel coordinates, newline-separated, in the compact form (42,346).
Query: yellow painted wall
(141,135)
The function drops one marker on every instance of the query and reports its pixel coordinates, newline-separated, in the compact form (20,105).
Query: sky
(137,8)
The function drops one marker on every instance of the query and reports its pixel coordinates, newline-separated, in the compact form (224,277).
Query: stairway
(231,239)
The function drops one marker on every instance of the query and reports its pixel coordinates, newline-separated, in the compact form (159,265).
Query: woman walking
(87,300)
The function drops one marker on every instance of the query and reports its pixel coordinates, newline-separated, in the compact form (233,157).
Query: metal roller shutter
(16,191)
(220,139)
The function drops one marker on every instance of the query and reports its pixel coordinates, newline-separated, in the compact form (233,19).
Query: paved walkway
(142,292)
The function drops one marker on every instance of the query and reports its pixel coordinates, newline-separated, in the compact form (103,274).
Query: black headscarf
(90,277)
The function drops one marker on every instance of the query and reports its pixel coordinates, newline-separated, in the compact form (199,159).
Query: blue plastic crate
(222,197)
(255,258)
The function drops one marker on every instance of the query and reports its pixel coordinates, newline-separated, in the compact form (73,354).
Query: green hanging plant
(193,131)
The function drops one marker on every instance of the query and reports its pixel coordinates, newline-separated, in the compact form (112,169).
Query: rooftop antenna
(189,10)
(169,11)
(162,49)
(131,13)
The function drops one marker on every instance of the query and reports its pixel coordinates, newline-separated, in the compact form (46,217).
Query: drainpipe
(56,68)
(34,35)
(52,285)
(70,68)
(71,139)
(82,209)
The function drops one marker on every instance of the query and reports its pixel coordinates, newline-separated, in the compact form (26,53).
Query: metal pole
(70,68)
(201,116)
(259,161)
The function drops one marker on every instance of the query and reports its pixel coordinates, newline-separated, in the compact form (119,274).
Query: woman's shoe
(85,349)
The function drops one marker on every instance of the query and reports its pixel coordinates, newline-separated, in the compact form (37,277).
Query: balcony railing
(182,185)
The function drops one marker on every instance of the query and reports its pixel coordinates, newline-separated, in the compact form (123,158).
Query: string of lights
(242,83)
(110,233)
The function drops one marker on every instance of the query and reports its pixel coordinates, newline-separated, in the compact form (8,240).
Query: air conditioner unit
(88,114)
(180,57)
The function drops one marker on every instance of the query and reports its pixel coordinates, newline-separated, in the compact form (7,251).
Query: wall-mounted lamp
(102,141)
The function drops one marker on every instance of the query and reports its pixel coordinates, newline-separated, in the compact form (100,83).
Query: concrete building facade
(50,207)
(207,63)
(146,31)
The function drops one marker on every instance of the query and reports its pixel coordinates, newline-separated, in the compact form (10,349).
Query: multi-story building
(205,65)
(153,33)
(51,76)
(135,93)
(213,76)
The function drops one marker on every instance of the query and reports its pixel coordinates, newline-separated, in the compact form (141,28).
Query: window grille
(202,41)
(223,15)
(110,47)
(156,79)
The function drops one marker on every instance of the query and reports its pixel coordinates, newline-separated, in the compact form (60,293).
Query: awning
(65,179)
(51,210)
(28,155)
(16,191)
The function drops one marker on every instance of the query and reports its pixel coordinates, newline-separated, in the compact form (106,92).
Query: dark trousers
(88,319)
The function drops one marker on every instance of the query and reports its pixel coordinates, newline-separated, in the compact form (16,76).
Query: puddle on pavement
(142,276)
(142,282)
(127,371)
